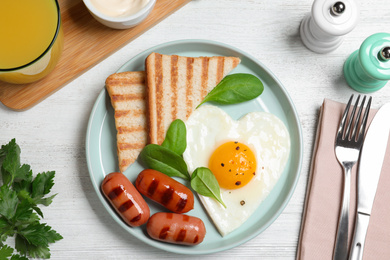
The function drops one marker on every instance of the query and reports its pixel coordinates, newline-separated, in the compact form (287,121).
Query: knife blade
(370,166)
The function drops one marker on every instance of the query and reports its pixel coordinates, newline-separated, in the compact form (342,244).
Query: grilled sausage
(164,190)
(125,199)
(176,228)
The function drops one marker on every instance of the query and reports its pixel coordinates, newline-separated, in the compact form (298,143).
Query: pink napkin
(324,194)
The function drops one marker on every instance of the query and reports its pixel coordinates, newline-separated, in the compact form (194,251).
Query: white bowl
(122,22)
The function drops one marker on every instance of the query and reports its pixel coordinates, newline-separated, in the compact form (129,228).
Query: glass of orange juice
(31,39)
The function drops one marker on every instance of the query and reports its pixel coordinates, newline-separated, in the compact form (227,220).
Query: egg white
(208,127)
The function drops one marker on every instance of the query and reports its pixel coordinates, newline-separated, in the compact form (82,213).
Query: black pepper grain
(242,202)
(237,148)
(222,164)
(238,183)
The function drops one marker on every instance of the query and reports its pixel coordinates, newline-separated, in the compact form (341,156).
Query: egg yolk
(233,164)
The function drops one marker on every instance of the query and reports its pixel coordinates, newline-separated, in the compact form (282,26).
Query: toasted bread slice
(127,91)
(177,84)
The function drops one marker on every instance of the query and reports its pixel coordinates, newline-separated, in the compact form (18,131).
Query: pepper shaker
(368,69)
(323,29)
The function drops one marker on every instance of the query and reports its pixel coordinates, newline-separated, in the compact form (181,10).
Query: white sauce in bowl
(119,8)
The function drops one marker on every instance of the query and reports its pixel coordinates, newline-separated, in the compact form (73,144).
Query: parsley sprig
(20,195)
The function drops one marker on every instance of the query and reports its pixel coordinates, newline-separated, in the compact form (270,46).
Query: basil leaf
(204,182)
(164,160)
(234,89)
(175,139)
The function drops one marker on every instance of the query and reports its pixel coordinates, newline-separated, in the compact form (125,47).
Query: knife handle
(357,246)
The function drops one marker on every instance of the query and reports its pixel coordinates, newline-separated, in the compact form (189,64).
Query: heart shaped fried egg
(246,156)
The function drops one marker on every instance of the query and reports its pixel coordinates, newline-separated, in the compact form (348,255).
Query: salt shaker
(368,69)
(323,29)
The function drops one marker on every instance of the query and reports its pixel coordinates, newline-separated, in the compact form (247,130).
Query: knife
(370,166)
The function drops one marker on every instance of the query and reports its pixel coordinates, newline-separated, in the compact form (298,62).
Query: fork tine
(351,117)
(364,120)
(355,133)
(341,128)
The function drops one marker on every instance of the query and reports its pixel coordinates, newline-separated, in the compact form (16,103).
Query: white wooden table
(52,134)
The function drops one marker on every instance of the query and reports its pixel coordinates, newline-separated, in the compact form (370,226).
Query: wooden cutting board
(86,42)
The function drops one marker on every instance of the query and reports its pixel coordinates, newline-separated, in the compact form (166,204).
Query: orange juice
(29,31)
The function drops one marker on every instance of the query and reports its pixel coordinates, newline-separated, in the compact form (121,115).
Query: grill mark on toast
(236,61)
(121,81)
(189,84)
(220,68)
(138,112)
(159,96)
(126,162)
(121,113)
(174,80)
(128,97)
(130,146)
(133,112)
(126,129)
(125,78)
(205,76)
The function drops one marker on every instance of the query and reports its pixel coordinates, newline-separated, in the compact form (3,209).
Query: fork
(347,149)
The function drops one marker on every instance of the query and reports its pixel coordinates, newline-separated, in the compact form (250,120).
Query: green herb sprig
(20,215)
